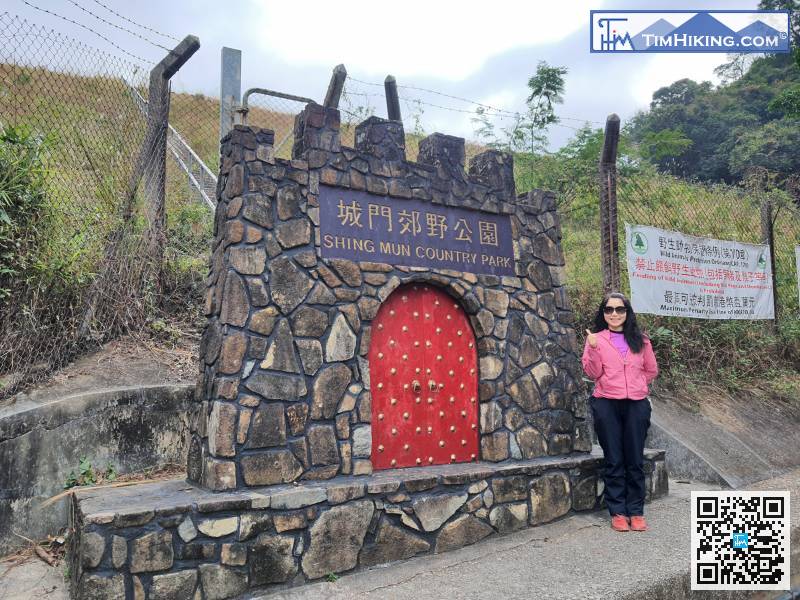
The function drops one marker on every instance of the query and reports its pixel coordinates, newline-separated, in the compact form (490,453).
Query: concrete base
(731,440)
(43,438)
(174,538)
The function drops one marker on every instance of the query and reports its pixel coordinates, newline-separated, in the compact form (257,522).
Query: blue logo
(728,31)
(739,540)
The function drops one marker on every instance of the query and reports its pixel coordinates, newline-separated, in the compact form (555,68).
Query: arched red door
(424,381)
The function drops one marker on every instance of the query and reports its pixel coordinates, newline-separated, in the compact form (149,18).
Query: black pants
(621,427)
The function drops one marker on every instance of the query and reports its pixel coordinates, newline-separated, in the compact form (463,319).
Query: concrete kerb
(683,462)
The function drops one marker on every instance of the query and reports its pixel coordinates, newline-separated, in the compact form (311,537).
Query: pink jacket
(616,377)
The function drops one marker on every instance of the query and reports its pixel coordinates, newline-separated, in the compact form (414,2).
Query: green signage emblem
(639,242)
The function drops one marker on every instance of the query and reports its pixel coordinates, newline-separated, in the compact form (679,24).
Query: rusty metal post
(154,152)
(335,87)
(392,99)
(768,238)
(608,206)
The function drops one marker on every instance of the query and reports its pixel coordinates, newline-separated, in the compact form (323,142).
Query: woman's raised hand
(591,338)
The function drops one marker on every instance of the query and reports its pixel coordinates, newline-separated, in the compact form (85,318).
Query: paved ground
(32,580)
(577,557)
(559,560)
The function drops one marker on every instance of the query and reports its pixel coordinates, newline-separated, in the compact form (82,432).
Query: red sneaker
(638,523)
(619,523)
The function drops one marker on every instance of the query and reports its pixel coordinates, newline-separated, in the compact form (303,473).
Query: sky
(478,51)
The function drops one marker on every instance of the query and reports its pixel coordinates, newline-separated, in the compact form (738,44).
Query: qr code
(740,540)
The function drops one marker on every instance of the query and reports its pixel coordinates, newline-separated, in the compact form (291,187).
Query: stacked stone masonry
(171,540)
(286,378)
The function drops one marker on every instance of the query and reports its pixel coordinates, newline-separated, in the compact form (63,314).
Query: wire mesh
(422,114)
(192,165)
(273,112)
(88,265)
(786,234)
(195,118)
(83,257)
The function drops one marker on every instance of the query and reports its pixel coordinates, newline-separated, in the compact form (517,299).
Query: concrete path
(32,580)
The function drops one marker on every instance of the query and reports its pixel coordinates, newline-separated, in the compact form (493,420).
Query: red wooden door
(424,381)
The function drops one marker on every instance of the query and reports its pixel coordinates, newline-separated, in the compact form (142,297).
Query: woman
(620,361)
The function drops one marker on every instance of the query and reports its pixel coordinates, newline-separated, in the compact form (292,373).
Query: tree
(772,147)
(794,20)
(787,102)
(527,131)
(547,89)
(682,92)
(664,145)
(715,120)
(735,68)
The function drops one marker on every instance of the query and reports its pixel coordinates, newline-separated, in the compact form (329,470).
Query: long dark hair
(630,329)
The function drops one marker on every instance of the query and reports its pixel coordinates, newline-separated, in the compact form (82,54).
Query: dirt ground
(131,360)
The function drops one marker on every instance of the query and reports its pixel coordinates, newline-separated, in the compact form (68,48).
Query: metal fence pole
(230,89)
(768,237)
(335,87)
(392,99)
(154,151)
(608,206)
(151,165)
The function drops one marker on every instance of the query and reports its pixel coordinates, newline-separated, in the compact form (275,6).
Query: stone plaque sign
(366,227)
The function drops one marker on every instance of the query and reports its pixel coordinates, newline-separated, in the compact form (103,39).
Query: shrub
(22,203)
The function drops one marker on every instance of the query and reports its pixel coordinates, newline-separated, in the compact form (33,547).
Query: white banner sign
(685,276)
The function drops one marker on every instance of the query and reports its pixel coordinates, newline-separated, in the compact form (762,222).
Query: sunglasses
(620,310)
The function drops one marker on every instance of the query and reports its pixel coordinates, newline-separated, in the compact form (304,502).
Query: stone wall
(170,540)
(285,383)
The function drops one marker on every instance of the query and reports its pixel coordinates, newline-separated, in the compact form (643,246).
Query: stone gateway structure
(389,368)
(288,352)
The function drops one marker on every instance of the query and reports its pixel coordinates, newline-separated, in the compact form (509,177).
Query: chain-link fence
(644,196)
(275,112)
(86,264)
(82,255)
(716,211)
(359,101)
(70,130)
(192,166)
(786,233)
